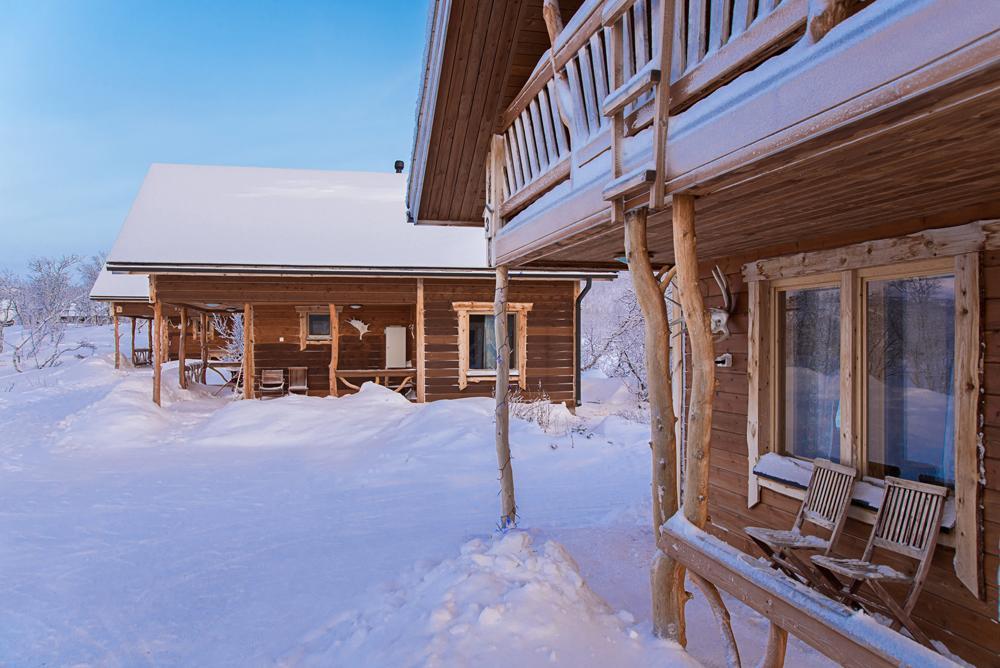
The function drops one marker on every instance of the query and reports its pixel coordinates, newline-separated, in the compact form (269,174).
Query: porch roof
(120,287)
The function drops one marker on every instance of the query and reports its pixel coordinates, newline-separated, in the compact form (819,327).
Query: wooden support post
(118,350)
(508,517)
(133,338)
(149,335)
(774,652)
(420,344)
(667,576)
(182,351)
(248,370)
(696,318)
(699,329)
(334,349)
(204,347)
(156,352)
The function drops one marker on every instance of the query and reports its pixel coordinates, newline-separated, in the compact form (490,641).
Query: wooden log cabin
(838,161)
(334,289)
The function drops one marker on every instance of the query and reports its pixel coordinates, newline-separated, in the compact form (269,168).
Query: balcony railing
(558,122)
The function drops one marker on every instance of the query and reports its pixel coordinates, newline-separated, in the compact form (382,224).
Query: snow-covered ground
(357,531)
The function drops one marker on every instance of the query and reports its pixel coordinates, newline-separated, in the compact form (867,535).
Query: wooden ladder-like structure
(653,76)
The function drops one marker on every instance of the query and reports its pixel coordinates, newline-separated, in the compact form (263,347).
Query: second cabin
(328,288)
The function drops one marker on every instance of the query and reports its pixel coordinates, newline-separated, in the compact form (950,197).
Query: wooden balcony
(753,87)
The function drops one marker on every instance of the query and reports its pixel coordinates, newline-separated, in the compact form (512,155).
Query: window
(910,377)
(899,355)
(809,377)
(477,353)
(482,342)
(319,325)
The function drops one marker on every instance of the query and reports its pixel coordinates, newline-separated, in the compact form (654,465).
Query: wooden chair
(827,499)
(272,382)
(298,379)
(907,523)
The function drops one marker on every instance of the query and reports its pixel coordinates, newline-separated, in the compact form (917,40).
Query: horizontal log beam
(629,183)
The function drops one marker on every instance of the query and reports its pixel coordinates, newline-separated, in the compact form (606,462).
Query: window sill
(861,509)
(482,376)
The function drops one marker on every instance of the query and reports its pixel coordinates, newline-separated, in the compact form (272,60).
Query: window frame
(954,250)
(853,350)
(304,312)
(467,375)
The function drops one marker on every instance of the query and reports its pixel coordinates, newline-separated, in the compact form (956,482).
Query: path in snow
(352,531)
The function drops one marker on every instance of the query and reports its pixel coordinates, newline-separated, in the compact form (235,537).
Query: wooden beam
(508,517)
(118,350)
(157,352)
(248,370)
(204,346)
(968,435)
(666,578)
(420,344)
(758,379)
(334,349)
(182,350)
(696,319)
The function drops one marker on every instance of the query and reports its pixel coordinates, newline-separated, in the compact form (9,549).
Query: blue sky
(92,92)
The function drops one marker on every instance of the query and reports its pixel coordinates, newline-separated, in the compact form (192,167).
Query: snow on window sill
(481,375)
(790,473)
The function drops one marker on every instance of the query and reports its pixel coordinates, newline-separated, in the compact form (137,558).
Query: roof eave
(437,29)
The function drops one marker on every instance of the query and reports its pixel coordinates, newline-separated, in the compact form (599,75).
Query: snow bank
(501,602)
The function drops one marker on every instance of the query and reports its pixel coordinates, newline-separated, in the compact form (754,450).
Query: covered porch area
(318,336)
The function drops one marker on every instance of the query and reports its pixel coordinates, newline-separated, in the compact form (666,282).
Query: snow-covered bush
(42,301)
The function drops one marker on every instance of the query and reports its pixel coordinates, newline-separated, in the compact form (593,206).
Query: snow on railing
(852,638)
(559,111)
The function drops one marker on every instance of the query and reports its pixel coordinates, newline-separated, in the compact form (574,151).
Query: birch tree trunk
(667,575)
(509,507)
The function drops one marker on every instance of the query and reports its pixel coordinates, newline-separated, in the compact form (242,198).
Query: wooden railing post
(508,517)
(667,576)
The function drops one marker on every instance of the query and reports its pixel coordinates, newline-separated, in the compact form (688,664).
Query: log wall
(550,336)
(947,611)
(387,301)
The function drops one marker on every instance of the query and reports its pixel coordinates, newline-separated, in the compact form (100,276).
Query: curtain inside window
(482,341)
(910,324)
(809,350)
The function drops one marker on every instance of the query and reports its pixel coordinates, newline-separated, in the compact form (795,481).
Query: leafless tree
(230,329)
(612,334)
(42,300)
(8,298)
(89,269)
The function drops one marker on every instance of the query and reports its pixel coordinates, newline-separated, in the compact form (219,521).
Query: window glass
(809,372)
(319,324)
(482,347)
(910,347)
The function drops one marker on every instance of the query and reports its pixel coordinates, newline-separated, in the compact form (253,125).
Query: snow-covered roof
(120,287)
(188,215)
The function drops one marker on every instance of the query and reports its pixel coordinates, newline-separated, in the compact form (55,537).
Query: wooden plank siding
(550,336)
(387,301)
(272,323)
(947,611)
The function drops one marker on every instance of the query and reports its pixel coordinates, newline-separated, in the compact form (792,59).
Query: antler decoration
(720,316)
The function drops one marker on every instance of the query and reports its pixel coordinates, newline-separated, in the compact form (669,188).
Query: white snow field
(357,531)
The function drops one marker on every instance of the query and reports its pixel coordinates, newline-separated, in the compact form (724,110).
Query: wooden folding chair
(272,382)
(908,523)
(298,379)
(827,499)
